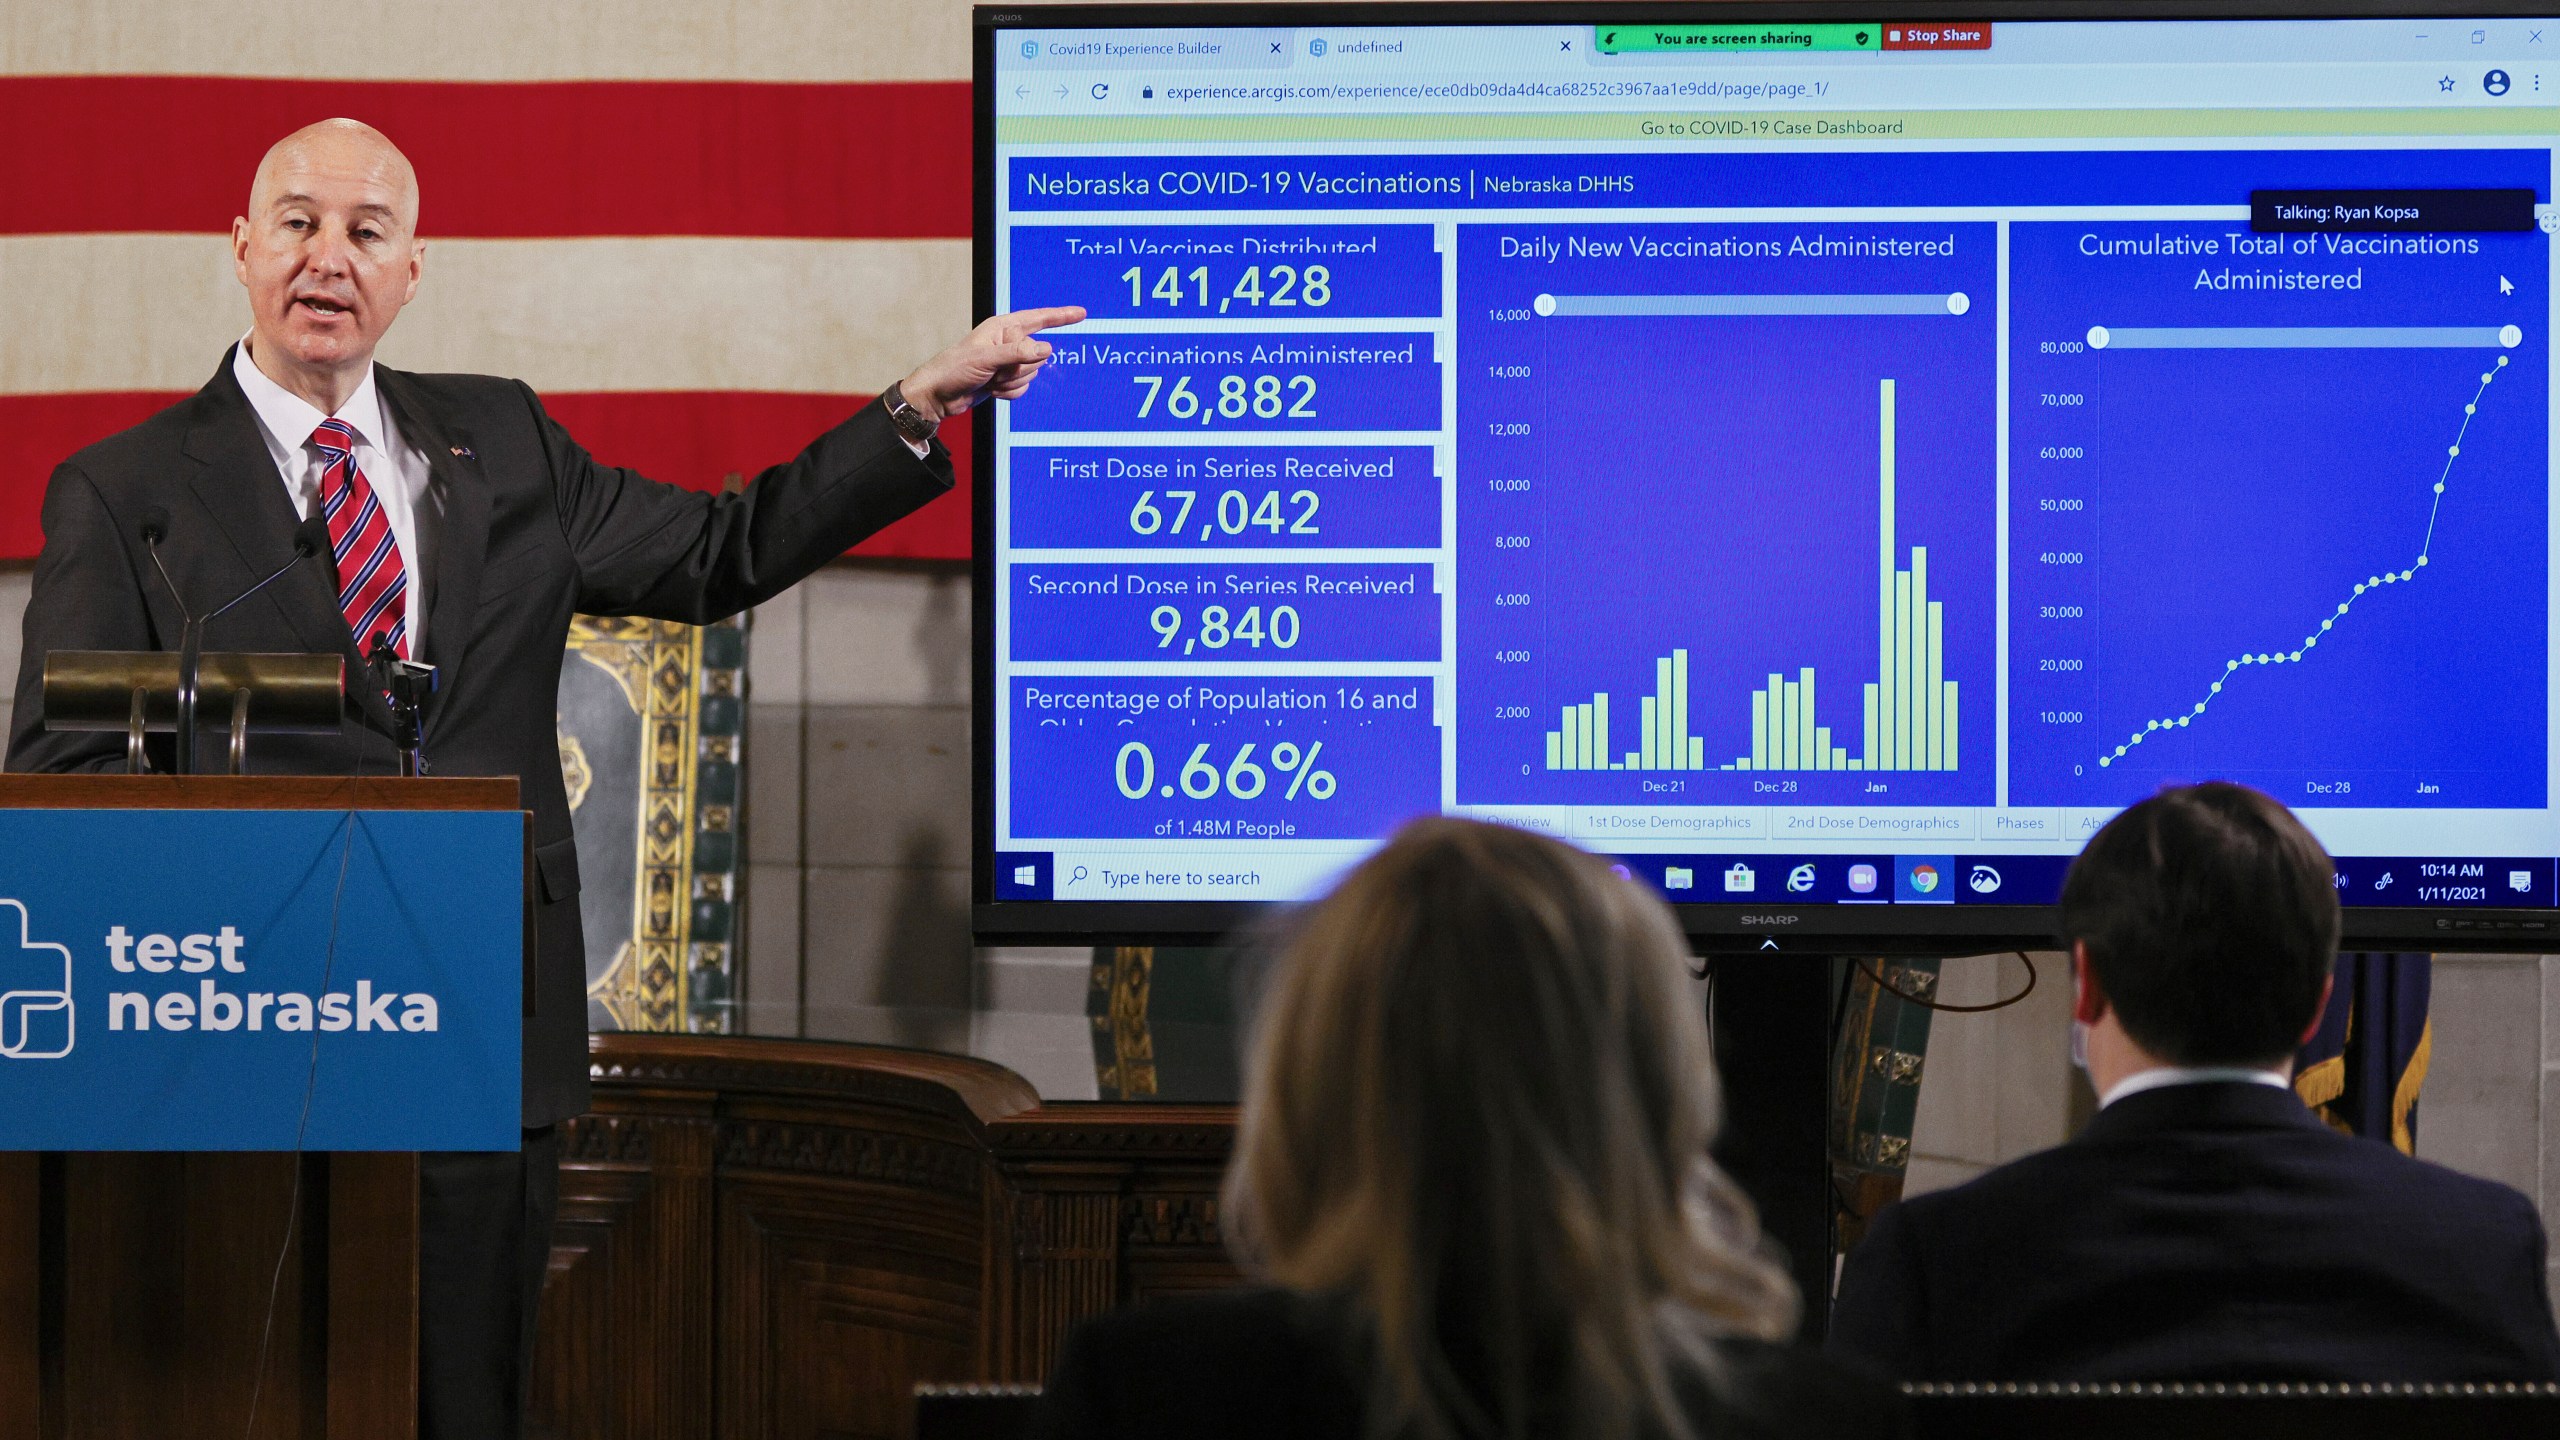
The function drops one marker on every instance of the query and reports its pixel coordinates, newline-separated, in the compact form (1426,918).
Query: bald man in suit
(465,528)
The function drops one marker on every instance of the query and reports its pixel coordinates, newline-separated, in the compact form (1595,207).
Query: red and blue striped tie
(373,586)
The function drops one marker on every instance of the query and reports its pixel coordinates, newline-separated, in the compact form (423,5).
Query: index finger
(1029,322)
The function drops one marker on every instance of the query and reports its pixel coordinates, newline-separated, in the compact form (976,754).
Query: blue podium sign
(261,979)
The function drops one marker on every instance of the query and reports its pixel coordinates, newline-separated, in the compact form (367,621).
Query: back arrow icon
(1019,91)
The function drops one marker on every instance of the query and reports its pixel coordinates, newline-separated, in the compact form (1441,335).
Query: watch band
(909,421)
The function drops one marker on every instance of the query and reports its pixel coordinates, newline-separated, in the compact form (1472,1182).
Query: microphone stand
(309,539)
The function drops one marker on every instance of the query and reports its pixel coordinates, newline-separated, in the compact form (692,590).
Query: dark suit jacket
(2215,1232)
(1273,1365)
(533,530)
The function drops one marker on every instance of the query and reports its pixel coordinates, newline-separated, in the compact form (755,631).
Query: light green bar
(1938,759)
(1600,730)
(1652,732)
(1900,756)
(1555,749)
(1868,759)
(1923,695)
(1824,757)
(1662,712)
(1805,745)
(1680,711)
(1759,730)
(1697,753)
(1883,701)
(1783,721)
(1882,125)
(1949,706)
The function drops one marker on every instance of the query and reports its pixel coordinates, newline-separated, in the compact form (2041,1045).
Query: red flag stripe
(91,154)
(690,438)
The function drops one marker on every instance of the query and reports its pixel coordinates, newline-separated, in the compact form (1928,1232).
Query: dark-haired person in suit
(1472,1167)
(2206,1226)
(465,527)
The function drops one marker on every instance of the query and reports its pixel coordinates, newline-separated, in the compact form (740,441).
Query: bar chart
(1910,710)
(1772,578)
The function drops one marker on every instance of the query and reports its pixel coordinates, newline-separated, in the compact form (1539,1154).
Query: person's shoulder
(144,450)
(2419,1184)
(452,392)
(1773,1391)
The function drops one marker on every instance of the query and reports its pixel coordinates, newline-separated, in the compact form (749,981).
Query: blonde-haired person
(1473,1170)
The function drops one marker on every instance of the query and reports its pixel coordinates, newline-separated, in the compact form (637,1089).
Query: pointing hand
(997,360)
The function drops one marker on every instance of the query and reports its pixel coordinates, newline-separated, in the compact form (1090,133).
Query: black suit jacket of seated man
(2214,1231)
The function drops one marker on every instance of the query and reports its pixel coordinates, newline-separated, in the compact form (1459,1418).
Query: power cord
(1927,1004)
(302,1127)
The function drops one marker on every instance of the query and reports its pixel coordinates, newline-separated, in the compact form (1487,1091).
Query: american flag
(703,230)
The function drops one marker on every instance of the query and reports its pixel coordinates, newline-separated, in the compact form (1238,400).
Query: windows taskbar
(2504,882)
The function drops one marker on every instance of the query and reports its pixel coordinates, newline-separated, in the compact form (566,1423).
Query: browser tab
(1151,49)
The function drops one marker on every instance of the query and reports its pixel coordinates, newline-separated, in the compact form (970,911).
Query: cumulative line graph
(2209,490)
(2435,509)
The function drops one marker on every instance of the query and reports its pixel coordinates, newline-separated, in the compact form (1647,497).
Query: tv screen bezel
(1761,927)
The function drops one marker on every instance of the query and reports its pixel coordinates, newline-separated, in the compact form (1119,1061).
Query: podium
(274,992)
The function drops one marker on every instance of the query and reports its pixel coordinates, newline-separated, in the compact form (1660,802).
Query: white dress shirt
(2168,1075)
(396,469)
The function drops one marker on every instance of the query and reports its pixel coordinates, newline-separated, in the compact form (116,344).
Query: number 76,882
(1267,397)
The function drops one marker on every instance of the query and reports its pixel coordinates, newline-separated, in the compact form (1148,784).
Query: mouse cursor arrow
(2506,286)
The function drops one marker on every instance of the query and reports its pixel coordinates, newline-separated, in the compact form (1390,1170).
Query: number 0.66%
(1244,778)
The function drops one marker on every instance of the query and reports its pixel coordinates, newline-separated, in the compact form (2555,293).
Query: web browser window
(1807,463)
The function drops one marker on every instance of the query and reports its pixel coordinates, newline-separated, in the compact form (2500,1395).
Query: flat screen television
(1825,458)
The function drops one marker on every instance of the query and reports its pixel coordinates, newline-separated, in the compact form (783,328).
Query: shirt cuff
(923,448)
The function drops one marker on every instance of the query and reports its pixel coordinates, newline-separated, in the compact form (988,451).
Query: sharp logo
(35,1009)
(1771,919)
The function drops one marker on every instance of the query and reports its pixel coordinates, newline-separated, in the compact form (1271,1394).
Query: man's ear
(2320,1011)
(2088,997)
(240,248)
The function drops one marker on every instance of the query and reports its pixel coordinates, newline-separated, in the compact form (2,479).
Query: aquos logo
(37,1014)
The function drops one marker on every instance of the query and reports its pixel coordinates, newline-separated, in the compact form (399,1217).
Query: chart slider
(1622,305)
(2306,337)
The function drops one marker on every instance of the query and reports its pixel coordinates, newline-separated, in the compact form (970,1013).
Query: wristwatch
(910,422)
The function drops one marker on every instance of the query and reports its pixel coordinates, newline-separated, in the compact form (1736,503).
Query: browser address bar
(1370,92)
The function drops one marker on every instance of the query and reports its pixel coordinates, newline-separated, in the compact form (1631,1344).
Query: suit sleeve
(1880,1321)
(87,596)
(2539,1340)
(646,548)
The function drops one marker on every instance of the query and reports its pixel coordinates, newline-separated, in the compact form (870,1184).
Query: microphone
(310,538)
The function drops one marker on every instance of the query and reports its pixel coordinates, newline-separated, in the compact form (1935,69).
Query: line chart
(2435,508)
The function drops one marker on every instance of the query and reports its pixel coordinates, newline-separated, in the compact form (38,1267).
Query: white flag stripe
(779,40)
(153,312)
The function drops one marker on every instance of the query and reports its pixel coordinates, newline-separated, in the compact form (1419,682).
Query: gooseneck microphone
(310,538)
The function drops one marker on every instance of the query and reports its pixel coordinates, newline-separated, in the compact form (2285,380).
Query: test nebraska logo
(35,1011)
